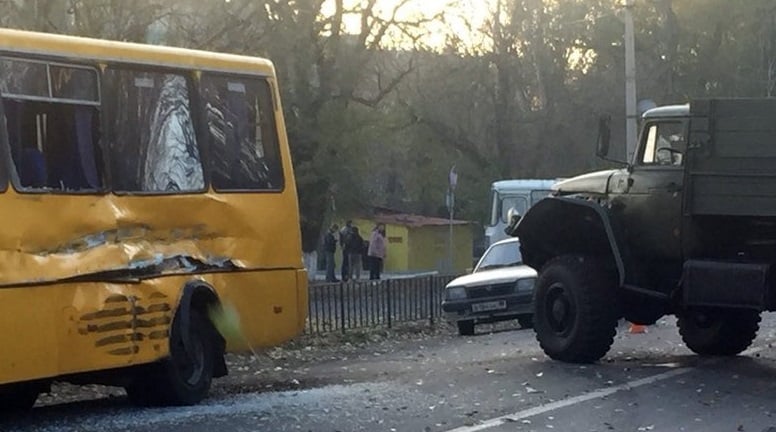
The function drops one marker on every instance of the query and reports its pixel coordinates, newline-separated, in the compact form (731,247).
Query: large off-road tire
(719,332)
(466,328)
(576,309)
(184,378)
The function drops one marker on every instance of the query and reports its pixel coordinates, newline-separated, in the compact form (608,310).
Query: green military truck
(688,228)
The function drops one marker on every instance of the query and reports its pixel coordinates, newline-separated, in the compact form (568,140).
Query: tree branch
(385,91)
(455,138)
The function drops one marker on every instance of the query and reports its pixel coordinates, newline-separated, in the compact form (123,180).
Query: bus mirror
(602,147)
(513,216)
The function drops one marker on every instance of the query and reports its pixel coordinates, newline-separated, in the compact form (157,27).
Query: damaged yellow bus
(140,188)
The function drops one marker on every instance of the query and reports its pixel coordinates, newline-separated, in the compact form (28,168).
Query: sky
(456,14)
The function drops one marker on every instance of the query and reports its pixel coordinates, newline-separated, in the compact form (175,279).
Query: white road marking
(595,394)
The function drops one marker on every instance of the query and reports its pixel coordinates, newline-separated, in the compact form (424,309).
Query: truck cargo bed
(731,160)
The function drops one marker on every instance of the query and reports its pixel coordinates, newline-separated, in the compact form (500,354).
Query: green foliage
(370,124)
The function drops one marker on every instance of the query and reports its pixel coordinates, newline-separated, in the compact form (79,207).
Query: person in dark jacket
(344,239)
(355,248)
(329,248)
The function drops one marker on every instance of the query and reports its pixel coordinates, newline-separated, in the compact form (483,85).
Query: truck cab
(516,195)
(647,193)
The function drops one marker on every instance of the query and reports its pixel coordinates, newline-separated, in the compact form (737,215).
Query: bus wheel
(18,397)
(183,378)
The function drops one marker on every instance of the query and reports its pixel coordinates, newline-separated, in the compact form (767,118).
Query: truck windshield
(539,195)
(664,144)
(519,203)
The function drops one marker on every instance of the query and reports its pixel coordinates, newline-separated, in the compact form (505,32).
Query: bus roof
(523,184)
(19,41)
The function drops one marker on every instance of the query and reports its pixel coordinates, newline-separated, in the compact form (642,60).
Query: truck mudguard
(565,225)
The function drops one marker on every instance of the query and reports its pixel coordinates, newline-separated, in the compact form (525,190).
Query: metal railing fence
(381,303)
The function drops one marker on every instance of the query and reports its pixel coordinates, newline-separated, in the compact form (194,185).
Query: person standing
(355,248)
(344,239)
(376,251)
(329,248)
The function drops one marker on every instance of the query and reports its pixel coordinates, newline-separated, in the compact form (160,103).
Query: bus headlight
(455,293)
(525,285)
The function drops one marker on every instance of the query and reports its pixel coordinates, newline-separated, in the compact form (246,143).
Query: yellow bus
(140,187)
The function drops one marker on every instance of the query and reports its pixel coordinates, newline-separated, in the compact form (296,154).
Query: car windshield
(501,255)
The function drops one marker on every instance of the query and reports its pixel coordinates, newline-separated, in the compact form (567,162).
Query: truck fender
(566,225)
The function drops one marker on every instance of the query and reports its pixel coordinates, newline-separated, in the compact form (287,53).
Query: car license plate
(489,306)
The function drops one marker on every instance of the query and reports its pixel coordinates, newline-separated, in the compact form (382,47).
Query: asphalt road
(489,382)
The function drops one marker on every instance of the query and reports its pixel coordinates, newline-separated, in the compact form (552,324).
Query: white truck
(517,194)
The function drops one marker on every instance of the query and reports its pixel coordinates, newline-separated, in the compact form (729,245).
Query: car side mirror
(604,134)
(513,216)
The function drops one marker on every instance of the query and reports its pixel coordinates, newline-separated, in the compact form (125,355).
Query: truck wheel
(525,321)
(184,378)
(466,328)
(576,309)
(719,333)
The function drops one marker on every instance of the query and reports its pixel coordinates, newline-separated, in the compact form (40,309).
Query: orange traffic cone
(637,328)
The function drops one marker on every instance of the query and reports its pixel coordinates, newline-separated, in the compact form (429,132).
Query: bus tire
(18,397)
(183,378)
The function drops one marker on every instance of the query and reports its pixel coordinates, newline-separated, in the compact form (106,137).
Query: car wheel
(720,332)
(466,328)
(525,321)
(185,377)
(575,310)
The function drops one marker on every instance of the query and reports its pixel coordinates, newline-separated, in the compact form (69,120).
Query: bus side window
(153,145)
(53,131)
(243,137)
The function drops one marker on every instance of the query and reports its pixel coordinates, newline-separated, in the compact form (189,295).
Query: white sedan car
(500,288)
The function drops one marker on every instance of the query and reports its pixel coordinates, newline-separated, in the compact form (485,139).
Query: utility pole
(452,183)
(630,82)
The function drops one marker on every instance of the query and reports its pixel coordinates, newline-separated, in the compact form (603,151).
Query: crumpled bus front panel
(55,237)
